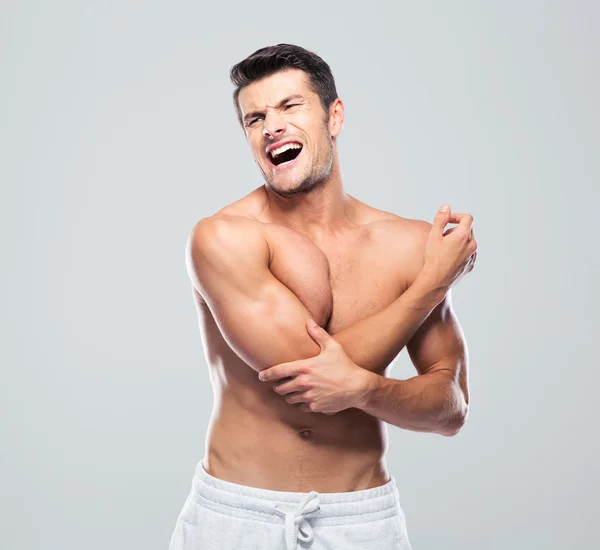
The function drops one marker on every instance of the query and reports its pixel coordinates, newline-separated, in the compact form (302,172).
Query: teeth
(284,148)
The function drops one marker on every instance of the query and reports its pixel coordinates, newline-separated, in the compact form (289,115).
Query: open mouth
(284,154)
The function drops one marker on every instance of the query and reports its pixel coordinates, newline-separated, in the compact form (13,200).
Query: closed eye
(292,105)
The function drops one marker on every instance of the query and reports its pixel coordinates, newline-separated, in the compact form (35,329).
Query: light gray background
(117,134)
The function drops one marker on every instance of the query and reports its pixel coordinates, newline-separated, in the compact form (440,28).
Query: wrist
(428,288)
(370,383)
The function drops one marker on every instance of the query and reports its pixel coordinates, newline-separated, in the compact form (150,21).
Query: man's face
(286,128)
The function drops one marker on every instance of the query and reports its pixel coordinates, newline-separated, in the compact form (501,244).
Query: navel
(306,434)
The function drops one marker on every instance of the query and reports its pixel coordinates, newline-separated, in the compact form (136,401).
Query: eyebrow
(279,105)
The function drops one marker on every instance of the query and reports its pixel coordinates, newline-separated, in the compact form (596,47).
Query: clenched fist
(449,254)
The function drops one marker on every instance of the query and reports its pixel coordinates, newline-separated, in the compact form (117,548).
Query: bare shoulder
(401,237)
(237,216)
(398,229)
(228,235)
(248,206)
(223,233)
(221,245)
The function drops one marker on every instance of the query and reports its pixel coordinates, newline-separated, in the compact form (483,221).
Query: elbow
(458,420)
(456,425)
(459,412)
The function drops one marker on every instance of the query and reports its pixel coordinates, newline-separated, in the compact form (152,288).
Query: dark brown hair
(272,59)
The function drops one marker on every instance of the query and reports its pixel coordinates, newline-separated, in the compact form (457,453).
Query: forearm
(374,342)
(430,402)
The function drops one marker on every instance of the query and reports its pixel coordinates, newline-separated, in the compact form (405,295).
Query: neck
(319,213)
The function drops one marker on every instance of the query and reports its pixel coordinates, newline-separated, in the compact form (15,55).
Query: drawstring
(296,526)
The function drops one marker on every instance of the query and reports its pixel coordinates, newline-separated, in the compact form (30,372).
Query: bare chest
(342,282)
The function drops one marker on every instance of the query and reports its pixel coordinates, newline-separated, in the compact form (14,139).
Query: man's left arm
(437,399)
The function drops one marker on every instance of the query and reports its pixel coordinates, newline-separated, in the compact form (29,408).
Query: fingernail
(444,208)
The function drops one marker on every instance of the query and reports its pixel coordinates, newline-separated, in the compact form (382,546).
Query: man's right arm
(261,319)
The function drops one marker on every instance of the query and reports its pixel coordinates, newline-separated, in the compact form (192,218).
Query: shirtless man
(296,459)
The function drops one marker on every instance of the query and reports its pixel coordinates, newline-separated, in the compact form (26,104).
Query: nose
(274,125)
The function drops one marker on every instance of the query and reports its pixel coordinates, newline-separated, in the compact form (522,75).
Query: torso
(257,439)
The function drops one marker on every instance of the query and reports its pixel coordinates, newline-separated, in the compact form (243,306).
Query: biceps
(439,344)
(259,317)
(266,330)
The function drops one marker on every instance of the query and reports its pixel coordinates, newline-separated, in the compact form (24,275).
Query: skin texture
(301,248)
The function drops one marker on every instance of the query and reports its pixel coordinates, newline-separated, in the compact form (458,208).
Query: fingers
(455,217)
(283,370)
(463,220)
(297,384)
(297,398)
(443,218)
(470,264)
(448,231)
(472,260)
(465,223)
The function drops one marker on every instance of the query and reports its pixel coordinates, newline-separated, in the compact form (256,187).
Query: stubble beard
(315,177)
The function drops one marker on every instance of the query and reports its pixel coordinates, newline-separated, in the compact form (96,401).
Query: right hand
(449,254)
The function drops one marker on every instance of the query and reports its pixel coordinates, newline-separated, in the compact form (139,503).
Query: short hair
(272,59)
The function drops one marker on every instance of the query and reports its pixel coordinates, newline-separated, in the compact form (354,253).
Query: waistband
(269,506)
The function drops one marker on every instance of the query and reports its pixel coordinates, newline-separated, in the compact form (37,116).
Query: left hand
(327,383)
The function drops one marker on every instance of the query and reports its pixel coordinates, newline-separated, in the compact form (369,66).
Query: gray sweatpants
(220,515)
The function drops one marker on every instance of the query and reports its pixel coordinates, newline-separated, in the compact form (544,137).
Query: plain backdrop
(117,134)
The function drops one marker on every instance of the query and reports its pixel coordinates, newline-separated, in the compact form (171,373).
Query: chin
(290,184)
(287,185)
(290,188)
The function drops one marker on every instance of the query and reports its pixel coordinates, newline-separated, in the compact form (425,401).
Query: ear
(336,117)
